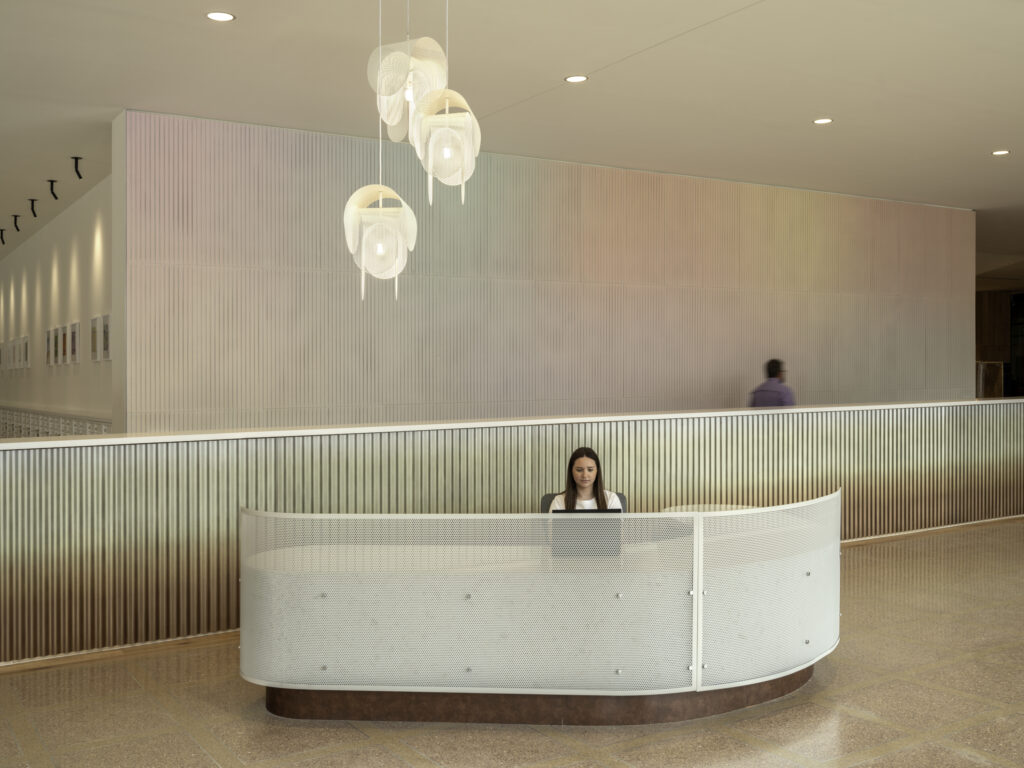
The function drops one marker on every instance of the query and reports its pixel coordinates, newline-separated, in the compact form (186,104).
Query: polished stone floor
(929,672)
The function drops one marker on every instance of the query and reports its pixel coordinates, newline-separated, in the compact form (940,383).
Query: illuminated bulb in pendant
(408,93)
(445,156)
(380,249)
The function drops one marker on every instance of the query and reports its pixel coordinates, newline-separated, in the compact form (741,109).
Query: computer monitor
(576,534)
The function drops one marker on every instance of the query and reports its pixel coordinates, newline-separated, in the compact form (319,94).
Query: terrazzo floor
(929,672)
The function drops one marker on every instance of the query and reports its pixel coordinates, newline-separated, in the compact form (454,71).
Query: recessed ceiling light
(823,121)
(1001,152)
(575,78)
(220,16)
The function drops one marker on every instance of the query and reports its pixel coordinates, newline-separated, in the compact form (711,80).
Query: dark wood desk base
(532,708)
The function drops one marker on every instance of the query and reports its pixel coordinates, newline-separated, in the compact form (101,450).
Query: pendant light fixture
(446,134)
(401,74)
(380,228)
(379,238)
(410,79)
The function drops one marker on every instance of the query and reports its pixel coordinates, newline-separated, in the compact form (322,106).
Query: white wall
(59,276)
(558,289)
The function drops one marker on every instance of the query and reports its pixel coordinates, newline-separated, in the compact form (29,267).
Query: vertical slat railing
(110,541)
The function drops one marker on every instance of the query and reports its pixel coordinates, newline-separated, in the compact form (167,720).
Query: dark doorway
(1013,373)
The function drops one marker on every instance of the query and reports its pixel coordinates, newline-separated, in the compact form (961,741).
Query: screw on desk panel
(618,595)
(618,671)
(323,668)
(691,591)
(703,666)
(469,669)
(808,573)
(323,594)
(690,667)
(807,642)
(468,596)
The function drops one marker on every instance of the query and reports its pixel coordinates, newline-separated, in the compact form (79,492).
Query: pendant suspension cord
(408,51)
(447,48)
(380,74)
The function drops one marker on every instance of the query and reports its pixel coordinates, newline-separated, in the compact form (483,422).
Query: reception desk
(586,618)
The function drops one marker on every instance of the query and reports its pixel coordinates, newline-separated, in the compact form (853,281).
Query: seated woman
(584,485)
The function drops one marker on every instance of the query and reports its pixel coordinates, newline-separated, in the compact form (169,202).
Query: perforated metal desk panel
(594,604)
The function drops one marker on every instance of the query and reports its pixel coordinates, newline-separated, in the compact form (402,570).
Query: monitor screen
(576,536)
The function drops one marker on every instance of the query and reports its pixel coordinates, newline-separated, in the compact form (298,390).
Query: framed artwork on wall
(56,346)
(96,327)
(63,344)
(106,337)
(26,360)
(74,343)
(16,344)
(49,350)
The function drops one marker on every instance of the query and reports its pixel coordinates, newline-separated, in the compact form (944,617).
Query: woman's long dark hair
(570,483)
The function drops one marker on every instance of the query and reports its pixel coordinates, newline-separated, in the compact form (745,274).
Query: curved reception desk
(583,618)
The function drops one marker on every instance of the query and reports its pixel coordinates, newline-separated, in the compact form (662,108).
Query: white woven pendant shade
(446,135)
(402,74)
(379,236)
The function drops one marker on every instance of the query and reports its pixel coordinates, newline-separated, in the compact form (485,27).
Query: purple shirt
(772,394)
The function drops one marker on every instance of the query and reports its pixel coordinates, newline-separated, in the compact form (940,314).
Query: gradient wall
(558,289)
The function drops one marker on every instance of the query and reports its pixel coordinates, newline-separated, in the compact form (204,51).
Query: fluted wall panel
(109,540)
(557,289)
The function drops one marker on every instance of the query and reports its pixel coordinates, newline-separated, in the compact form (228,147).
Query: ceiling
(921,91)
